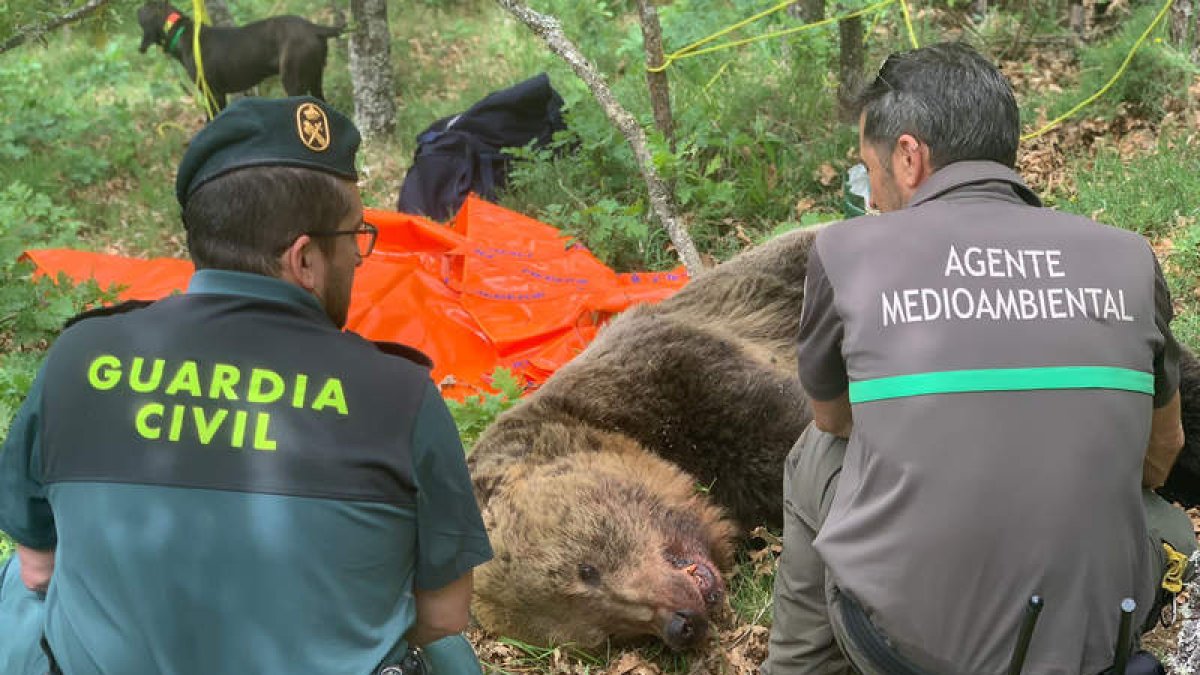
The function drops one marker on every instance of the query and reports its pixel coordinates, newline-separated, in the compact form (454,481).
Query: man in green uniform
(1007,381)
(226,482)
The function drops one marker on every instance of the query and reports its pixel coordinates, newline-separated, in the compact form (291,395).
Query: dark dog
(235,59)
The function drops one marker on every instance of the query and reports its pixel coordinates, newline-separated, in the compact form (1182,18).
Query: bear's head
(594,545)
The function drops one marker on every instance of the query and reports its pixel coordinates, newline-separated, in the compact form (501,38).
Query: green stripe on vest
(1002,379)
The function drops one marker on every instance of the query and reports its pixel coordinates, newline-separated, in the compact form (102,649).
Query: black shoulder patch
(405,352)
(108,310)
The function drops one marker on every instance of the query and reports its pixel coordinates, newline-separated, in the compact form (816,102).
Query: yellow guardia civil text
(169,418)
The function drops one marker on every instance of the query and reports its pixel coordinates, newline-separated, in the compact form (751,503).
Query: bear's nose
(686,629)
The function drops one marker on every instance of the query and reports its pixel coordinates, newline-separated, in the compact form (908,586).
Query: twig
(27,32)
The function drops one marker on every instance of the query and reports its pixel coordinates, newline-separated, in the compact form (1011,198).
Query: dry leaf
(827,175)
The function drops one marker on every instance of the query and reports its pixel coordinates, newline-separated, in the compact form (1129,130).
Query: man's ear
(910,162)
(298,263)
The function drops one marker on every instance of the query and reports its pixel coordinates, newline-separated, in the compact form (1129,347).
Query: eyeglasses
(364,235)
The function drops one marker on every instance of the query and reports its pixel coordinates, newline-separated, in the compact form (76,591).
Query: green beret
(301,131)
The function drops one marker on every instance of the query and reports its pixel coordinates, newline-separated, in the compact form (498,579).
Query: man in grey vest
(994,389)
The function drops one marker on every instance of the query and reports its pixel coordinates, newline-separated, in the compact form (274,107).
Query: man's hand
(1166,440)
(36,568)
(441,612)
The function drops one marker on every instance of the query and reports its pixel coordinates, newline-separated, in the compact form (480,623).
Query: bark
(25,33)
(808,11)
(850,65)
(657,82)
(550,31)
(1183,25)
(218,11)
(979,7)
(1186,656)
(1077,18)
(371,68)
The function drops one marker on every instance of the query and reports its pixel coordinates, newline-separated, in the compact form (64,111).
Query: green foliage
(749,137)
(32,311)
(1183,275)
(750,589)
(24,17)
(477,411)
(1153,194)
(1156,73)
(1146,194)
(535,658)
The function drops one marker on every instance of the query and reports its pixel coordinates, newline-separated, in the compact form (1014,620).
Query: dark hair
(947,96)
(243,220)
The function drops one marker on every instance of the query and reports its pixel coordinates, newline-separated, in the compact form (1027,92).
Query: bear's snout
(685,630)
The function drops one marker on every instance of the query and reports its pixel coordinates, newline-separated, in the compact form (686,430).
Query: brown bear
(598,490)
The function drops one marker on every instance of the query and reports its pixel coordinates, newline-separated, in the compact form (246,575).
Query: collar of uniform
(974,172)
(226,282)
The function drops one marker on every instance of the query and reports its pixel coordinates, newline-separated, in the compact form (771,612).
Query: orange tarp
(492,289)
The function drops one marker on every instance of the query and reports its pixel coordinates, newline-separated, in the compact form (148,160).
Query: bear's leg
(802,641)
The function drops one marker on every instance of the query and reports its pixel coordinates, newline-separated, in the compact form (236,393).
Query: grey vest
(1001,364)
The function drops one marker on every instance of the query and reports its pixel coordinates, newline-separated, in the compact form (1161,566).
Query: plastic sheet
(493,289)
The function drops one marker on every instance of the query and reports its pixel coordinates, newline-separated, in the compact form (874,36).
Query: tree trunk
(1185,658)
(980,7)
(808,11)
(218,11)
(657,82)
(1183,25)
(1077,18)
(371,68)
(550,31)
(850,66)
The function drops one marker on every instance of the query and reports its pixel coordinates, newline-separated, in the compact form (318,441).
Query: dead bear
(598,490)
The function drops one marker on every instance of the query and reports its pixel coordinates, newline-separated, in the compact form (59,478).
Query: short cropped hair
(947,96)
(242,221)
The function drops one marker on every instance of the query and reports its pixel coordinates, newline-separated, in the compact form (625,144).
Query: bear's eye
(588,574)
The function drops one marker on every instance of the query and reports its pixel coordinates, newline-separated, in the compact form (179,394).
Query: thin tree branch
(25,33)
(550,31)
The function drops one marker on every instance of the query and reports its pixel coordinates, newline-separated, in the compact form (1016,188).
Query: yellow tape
(1172,580)
(912,35)
(1108,85)
(204,92)
(691,50)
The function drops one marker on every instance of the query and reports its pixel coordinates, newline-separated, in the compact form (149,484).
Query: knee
(452,655)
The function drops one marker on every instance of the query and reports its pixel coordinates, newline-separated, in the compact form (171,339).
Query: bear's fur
(597,531)
(1183,483)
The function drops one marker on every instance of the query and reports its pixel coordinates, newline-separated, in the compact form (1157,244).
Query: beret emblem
(312,126)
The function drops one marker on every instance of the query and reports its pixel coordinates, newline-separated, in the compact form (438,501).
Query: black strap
(54,669)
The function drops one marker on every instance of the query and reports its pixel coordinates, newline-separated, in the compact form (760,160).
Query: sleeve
(822,368)
(451,539)
(24,512)
(1166,359)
